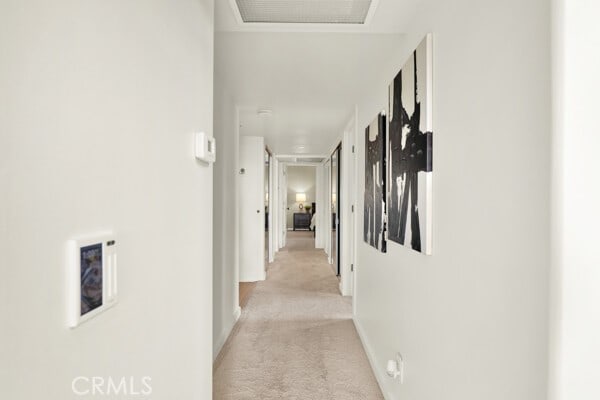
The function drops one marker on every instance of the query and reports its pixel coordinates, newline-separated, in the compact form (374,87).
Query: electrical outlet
(395,368)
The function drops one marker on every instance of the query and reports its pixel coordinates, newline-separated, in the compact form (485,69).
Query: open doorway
(301,204)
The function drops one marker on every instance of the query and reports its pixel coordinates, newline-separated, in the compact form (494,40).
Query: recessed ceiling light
(305,11)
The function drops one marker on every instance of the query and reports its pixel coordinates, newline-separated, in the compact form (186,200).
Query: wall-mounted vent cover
(304,11)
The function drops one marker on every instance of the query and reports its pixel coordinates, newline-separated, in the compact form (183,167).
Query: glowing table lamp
(300,198)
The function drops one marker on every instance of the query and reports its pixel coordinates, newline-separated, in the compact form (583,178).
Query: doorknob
(258,211)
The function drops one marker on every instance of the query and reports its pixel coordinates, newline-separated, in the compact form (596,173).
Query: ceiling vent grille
(304,11)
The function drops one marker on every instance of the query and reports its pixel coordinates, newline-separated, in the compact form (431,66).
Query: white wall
(300,179)
(471,321)
(576,168)
(99,101)
(226,308)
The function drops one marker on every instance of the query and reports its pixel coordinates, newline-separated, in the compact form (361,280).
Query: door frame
(338,208)
(270,238)
(349,188)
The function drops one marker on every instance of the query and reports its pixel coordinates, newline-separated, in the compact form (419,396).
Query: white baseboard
(261,276)
(254,277)
(218,345)
(379,373)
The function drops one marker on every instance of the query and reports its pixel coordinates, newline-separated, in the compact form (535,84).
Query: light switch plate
(205,147)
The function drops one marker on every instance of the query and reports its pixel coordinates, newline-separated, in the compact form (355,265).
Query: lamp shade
(300,197)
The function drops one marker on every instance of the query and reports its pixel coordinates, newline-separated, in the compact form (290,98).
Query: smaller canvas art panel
(410,152)
(375,181)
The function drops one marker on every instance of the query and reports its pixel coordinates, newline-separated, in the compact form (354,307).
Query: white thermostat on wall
(92,276)
(205,147)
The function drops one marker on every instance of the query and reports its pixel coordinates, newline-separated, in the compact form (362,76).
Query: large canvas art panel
(410,138)
(375,181)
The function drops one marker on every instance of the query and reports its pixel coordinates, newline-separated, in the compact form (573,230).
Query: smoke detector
(304,11)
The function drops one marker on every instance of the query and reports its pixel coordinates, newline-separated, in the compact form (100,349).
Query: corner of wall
(228,328)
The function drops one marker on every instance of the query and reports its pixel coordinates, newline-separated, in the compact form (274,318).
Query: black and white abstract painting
(375,180)
(410,152)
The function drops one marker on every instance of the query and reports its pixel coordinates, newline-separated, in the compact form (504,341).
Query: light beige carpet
(295,338)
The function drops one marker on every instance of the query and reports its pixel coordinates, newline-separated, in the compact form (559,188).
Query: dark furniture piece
(302,221)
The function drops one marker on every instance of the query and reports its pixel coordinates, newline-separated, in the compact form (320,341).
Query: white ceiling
(295,130)
(310,80)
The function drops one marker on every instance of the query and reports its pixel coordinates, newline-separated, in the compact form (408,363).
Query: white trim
(237,313)
(380,374)
(282,206)
(218,344)
(339,139)
(236,210)
(236,13)
(261,276)
(321,206)
(273,199)
(327,214)
(358,237)
(371,12)
(429,106)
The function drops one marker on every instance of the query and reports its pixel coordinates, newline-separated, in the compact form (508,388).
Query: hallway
(295,339)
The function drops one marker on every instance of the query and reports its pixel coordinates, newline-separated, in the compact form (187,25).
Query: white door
(349,175)
(272,207)
(252,213)
(347,210)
